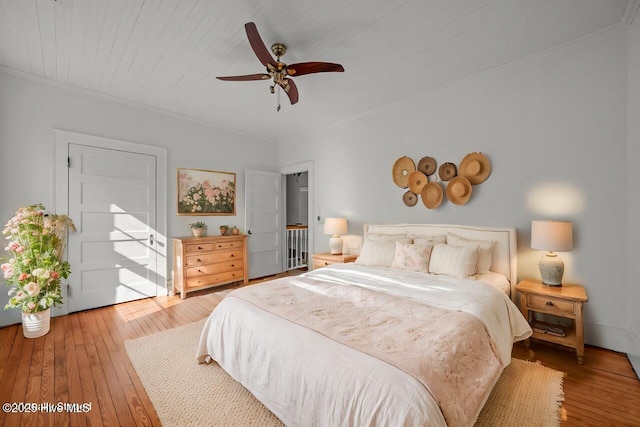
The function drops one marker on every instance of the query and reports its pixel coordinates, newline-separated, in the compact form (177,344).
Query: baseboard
(634,351)
(608,337)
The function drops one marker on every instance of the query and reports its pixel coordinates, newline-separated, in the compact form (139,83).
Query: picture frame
(206,192)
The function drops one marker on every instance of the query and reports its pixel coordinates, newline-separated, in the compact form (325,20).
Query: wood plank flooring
(83,360)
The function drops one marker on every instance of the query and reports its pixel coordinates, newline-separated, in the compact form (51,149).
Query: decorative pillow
(456,261)
(412,257)
(429,239)
(404,238)
(485,249)
(377,252)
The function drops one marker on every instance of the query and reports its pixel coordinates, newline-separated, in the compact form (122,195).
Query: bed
(382,341)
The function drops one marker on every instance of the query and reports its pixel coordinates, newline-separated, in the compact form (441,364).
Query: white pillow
(404,238)
(456,261)
(485,250)
(412,257)
(429,239)
(377,252)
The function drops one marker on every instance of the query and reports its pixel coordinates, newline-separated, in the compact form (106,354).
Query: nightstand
(324,259)
(561,301)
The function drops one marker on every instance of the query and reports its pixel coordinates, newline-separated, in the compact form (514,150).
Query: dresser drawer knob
(233,265)
(232,255)
(550,303)
(200,248)
(199,260)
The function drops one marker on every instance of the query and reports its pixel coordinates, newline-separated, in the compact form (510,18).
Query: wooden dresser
(203,262)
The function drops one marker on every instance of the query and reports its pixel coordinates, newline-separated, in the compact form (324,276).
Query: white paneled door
(263,221)
(112,200)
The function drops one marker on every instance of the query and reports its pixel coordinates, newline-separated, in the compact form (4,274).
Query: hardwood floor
(83,360)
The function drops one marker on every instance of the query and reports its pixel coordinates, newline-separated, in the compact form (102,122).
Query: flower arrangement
(197,224)
(35,269)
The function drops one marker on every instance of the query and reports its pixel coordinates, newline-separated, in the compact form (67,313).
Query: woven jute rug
(185,393)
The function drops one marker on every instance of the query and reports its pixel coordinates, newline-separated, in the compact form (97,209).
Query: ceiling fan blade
(258,46)
(260,76)
(303,68)
(290,89)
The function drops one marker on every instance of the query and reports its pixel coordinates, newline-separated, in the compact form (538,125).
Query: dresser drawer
(198,247)
(212,279)
(204,270)
(234,244)
(213,257)
(550,304)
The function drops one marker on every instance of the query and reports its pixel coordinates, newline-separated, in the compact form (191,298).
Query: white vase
(36,325)
(197,232)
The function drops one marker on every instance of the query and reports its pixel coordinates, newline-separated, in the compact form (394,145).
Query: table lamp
(551,236)
(335,227)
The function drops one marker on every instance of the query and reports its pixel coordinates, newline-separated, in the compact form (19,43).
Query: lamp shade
(554,236)
(335,226)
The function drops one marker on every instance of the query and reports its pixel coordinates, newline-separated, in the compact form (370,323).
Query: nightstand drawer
(551,304)
(322,263)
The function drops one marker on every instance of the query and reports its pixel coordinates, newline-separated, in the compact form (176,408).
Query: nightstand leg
(579,334)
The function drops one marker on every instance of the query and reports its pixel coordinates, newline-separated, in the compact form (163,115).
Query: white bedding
(306,379)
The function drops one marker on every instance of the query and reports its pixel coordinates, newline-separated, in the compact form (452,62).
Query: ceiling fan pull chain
(278,89)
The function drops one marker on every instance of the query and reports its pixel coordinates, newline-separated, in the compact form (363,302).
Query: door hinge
(68,162)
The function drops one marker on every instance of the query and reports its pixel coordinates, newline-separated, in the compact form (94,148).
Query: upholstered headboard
(503,259)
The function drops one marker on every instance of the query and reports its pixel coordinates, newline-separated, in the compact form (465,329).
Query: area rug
(186,393)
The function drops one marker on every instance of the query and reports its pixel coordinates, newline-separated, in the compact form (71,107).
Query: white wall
(633,194)
(30,110)
(553,126)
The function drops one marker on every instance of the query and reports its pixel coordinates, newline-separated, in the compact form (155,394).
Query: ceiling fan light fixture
(278,71)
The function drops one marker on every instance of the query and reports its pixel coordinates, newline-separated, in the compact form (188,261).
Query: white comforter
(306,379)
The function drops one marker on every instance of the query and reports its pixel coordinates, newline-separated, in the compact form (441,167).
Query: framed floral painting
(204,192)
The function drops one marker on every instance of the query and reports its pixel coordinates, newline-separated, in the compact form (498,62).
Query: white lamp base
(551,269)
(335,244)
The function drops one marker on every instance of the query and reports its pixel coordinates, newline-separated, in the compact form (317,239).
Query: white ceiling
(166,54)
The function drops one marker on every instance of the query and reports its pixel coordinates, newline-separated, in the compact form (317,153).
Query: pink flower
(15,246)
(19,295)
(31,305)
(7,269)
(32,288)
(54,275)
(23,276)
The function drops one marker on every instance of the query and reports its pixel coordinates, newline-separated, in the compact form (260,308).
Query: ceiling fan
(279,71)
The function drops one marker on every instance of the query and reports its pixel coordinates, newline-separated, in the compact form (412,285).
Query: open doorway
(297,220)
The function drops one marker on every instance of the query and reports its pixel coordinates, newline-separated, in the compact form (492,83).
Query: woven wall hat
(417,180)
(475,167)
(432,195)
(402,168)
(459,190)
(427,165)
(447,171)
(410,198)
